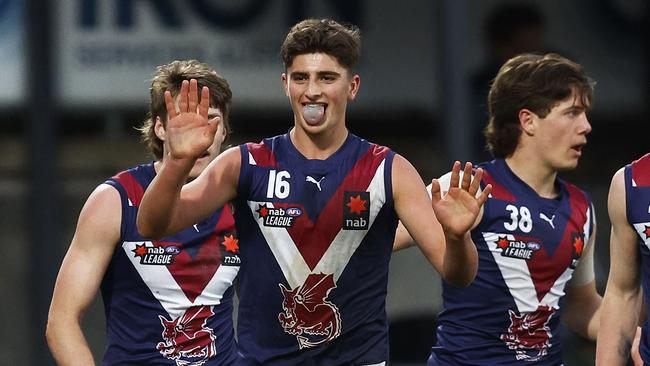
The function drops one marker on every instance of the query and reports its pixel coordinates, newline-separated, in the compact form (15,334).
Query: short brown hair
(342,42)
(170,77)
(534,82)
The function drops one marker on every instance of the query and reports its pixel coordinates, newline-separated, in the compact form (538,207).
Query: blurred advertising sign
(12,32)
(107,49)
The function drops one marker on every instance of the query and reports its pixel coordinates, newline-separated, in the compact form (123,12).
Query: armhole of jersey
(388,179)
(124,200)
(628,184)
(244,172)
(592,213)
(585,273)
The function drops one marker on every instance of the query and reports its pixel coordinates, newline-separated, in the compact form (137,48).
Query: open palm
(458,209)
(189,132)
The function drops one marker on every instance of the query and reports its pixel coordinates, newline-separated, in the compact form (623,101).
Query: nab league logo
(186,339)
(277,216)
(578,243)
(356,210)
(152,255)
(307,314)
(528,334)
(519,249)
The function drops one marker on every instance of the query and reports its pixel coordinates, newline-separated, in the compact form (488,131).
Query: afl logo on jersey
(356,210)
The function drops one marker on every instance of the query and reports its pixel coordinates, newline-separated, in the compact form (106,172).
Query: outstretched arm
(445,243)
(619,316)
(168,205)
(82,270)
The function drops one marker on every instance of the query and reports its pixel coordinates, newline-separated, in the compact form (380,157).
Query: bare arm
(619,317)
(404,240)
(82,270)
(448,247)
(583,303)
(168,205)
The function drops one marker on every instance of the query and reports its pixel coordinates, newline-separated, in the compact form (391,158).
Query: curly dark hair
(328,36)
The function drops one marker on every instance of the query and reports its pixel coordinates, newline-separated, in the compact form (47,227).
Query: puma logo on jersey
(316,182)
(545,218)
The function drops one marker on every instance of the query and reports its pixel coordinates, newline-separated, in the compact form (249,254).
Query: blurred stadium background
(74,80)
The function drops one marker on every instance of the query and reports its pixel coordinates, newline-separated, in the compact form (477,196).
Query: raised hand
(458,209)
(189,132)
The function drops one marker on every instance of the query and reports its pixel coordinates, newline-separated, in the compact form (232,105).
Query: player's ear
(285,83)
(355,83)
(159,129)
(527,121)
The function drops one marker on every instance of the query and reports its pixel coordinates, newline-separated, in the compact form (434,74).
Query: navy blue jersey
(528,248)
(317,238)
(169,301)
(637,203)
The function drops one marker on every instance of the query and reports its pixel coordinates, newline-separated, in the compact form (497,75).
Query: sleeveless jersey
(637,203)
(528,248)
(317,237)
(169,301)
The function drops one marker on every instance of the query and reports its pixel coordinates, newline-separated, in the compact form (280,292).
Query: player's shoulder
(103,200)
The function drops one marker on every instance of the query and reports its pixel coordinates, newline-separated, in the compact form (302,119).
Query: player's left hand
(458,209)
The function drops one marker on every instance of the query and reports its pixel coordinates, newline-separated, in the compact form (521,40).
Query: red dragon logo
(186,339)
(307,314)
(529,334)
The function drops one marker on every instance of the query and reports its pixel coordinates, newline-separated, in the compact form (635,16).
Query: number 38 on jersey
(519,218)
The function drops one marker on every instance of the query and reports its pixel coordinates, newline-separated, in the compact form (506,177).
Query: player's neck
(318,146)
(534,173)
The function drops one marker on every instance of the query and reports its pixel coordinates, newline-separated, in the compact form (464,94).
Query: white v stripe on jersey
(251,159)
(516,274)
(337,255)
(166,290)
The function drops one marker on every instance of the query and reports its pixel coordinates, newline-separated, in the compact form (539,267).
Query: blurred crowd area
(406,102)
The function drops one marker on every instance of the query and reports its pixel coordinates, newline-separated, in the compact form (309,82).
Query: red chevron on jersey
(313,240)
(193,274)
(133,188)
(188,279)
(259,154)
(546,274)
(640,169)
(498,190)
